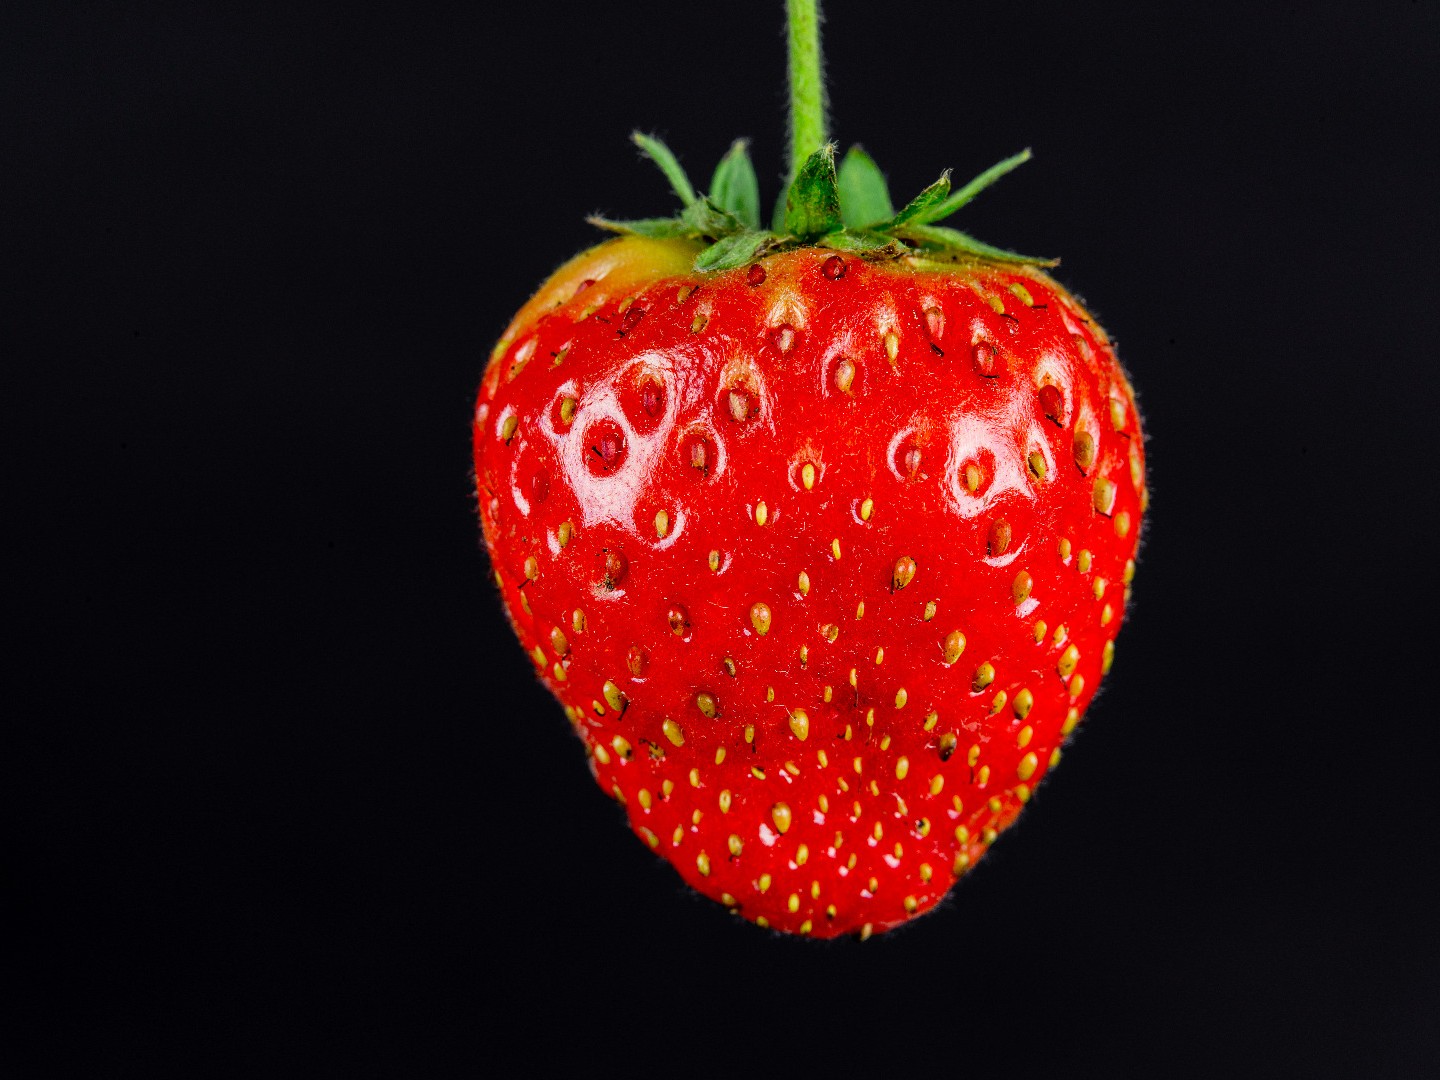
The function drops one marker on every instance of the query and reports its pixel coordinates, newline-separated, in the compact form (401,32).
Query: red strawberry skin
(824,558)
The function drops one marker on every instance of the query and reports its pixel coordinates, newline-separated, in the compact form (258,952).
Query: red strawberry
(823,546)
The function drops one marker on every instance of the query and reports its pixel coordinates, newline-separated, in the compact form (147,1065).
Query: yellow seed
(707,705)
(931,720)
(800,724)
(1071,719)
(973,757)
(1036,464)
(564,533)
(859,765)
(792,903)
(762,513)
(807,475)
(1021,293)
(694,777)
(1024,701)
(903,573)
(558,642)
(780,814)
(937,784)
(769,693)
(567,409)
(954,646)
(1104,496)
(1099,587)
(860,610)
(666,788)
(984,676)
(645,799)
(702,863)
(998,702)
(926,872)
(802,855)
(698,323)
(1122,524)
(824,803)
(901,697)
(911,904)
(804,655)
(613,697)
(835,548)
(996,304)
(866,509)
(1107,613)
(1117,414)
(1028,764)
(622,746)
(1107,657)
(760,618)
(735,844)
(1022,739)
(827,693)
(1083,560)
(902,766)
(673,732)
(763,884)
(714,560)
(804,583)
(1021,587)
(929,611)
(532,568)
(853,677)
(983,776)
(720,755)
(1068,659)
(749,733)
(507,429)
(892,346)
(1022,792)
(560,675)
(1077,685)
(1129,574)
(725,801)
(602,755)
(972,478)
(538,655)
(880,655)
(650,837)
(823,758)
(1064,548)
(662,523)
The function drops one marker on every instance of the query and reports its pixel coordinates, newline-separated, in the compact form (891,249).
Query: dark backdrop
(285,797)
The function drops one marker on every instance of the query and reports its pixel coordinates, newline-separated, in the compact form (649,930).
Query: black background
(285,797)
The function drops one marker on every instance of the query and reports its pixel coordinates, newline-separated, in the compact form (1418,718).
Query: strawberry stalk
(846,208)
(807,83)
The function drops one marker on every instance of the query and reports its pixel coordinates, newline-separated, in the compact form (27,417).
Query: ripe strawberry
(822,536)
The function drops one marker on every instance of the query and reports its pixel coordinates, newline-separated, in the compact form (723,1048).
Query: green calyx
(848,209)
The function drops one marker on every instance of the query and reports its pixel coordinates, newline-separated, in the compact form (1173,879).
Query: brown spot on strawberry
(605,447)
(998,541)
(614,568)
(833,268)
(1052,403)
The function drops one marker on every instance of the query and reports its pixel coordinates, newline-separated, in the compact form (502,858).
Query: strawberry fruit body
(823,554)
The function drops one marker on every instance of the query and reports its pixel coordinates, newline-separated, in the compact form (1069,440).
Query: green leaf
(812,205)
(733,251)
(952,240)
(656,228)
(734,186)
(659,153)
(864,195)
(863,243)
(707,219)
(944,209)
(916,208)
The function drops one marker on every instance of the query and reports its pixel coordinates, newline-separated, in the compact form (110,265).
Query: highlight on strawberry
(821,530)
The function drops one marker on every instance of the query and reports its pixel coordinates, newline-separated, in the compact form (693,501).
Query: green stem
(807,84)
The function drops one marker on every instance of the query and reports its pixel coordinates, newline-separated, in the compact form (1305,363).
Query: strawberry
(821,535)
